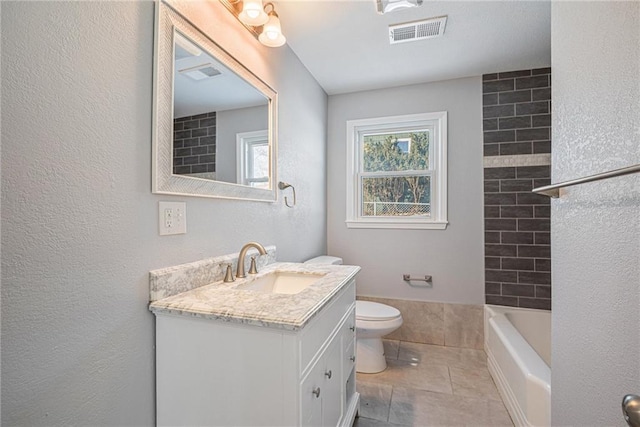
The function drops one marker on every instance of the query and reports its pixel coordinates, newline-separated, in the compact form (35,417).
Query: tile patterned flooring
(430,385)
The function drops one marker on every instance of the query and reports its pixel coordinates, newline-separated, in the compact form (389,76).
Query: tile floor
(430,385)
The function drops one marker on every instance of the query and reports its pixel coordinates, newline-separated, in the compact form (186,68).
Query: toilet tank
(325,259)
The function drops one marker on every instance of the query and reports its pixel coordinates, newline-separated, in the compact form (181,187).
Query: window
(396,172)
(253,159)
(404,144)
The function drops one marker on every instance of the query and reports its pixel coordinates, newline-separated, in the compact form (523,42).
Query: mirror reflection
(220,127)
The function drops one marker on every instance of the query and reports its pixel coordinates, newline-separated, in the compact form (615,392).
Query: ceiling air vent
(417,30)
(200,72)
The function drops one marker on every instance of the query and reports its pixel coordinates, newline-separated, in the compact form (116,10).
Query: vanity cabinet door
(311,394)
(321,390)
(333,386)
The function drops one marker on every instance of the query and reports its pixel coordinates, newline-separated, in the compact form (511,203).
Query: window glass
(396,196)
(258,164)
(398,172)
(396,151)
(253,159)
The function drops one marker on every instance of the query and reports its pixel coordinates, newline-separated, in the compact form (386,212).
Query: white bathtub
(518,346)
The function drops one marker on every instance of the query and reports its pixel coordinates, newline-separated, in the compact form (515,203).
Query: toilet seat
(373,311)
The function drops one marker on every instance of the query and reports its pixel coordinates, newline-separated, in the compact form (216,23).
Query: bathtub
(518,346)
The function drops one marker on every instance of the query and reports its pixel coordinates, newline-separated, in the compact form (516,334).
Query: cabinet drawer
(349,357)
(349,341)
(349,327)
(320,329)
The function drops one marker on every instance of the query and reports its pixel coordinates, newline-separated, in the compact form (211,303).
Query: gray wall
(453,256)
(230,123)
(79,221)
(595,228)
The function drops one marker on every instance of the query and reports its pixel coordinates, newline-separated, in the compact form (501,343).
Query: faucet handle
(253,269)
(228,277)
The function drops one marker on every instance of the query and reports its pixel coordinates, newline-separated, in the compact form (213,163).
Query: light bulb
(252,13)
(386,6)
(271,32)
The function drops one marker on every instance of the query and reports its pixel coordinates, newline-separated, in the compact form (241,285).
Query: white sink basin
(281,282)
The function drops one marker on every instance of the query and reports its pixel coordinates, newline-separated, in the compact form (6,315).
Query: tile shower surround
(194,144)
(517,123)
(516,112)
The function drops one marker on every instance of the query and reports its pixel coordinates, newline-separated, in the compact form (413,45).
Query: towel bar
(554,189)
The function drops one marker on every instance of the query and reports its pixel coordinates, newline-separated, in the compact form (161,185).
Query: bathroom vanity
(248,353)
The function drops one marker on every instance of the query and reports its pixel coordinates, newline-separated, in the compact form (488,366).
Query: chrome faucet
(243,252)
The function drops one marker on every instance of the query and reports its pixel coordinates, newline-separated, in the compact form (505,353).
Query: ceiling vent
(200,72)
(417,30)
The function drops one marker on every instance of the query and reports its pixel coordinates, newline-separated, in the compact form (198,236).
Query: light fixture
(386,6)
(271,34)
(253,13)
(262,24)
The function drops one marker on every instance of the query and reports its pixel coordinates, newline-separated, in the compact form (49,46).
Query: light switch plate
(172,218)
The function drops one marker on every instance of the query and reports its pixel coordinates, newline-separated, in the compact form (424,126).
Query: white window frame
(437,125)
(243,141)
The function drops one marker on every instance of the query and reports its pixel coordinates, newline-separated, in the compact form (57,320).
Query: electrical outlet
(172,218)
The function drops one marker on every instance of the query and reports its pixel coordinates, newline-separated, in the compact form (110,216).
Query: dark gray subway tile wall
(517,121)
(517,239)
(517,112)
(194,144)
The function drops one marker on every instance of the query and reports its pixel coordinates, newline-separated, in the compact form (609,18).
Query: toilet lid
(369,310)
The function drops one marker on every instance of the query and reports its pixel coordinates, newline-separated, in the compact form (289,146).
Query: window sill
(431,225)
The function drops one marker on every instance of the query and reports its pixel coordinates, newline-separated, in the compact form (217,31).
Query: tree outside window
(393,195)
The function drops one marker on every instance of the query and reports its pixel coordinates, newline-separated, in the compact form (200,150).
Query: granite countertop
(223,302)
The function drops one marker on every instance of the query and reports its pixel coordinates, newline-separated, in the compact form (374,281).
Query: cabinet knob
(328,374)
(316,392)
(352,329)
(352,358)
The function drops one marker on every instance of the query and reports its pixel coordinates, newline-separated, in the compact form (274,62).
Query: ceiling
(345,44)
(220,92)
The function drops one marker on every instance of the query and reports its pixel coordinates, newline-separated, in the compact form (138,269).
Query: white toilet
(373,321)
